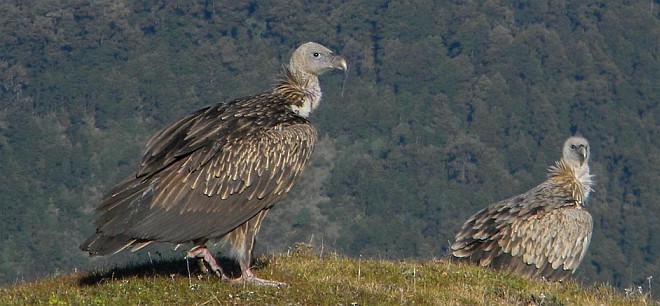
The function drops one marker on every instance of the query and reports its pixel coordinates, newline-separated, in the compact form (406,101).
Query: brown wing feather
(541,233)
(207,174)
(210,129)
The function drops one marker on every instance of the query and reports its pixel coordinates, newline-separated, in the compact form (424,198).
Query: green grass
(313,280)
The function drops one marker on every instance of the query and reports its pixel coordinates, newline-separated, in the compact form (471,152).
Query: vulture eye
(573,147)
(316,54)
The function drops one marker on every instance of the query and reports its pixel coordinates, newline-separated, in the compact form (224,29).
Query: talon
(248,277)
(258,281)
(204,257)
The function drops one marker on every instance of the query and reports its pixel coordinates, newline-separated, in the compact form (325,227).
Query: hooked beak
(582,150)
(339,63)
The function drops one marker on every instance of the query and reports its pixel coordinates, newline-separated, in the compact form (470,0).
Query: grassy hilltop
(314,280)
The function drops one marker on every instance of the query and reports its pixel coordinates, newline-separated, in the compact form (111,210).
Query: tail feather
(119,211)
(100,245)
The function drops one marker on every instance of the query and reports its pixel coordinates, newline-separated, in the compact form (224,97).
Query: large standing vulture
(214,174)
(542,233)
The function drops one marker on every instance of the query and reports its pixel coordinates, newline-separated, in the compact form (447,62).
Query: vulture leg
(204,257)
(242,240)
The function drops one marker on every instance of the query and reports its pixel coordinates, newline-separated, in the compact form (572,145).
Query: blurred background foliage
(448,107)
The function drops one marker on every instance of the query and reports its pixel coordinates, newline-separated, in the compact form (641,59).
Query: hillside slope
(314,280)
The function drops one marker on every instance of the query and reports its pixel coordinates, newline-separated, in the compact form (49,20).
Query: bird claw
(258,281)
(206,260)
(248,278)
(205,257)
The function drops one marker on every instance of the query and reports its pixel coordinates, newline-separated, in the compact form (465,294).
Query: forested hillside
(448,107)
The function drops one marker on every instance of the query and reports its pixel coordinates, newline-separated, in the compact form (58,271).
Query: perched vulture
(542,233)
(214,174)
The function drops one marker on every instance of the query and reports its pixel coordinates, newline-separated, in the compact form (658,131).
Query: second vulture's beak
(582,150)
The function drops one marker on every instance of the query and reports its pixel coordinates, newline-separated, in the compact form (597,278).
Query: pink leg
(242,241)
(248,277)
(203,255)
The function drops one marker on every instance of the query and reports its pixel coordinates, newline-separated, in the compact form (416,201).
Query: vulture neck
(302,90)
(575,178)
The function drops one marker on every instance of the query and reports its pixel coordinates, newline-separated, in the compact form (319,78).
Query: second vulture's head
(576,151)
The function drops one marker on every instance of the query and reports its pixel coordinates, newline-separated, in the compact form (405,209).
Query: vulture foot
(251,279)
(204,257)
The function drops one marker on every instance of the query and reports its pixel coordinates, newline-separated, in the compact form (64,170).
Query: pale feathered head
(573,168)
(300,85)
(314,59)
(576,151)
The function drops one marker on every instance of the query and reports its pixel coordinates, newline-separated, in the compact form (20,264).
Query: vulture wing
(207,174)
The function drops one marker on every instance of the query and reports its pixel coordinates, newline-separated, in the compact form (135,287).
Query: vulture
(213,175)
(543,233)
